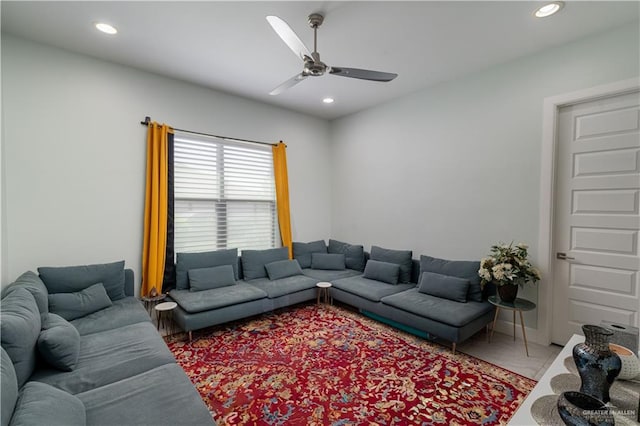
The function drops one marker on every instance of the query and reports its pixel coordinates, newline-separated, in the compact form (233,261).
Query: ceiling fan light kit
(312,65)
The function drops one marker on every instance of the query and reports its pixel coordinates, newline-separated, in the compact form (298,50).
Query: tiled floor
(507,353)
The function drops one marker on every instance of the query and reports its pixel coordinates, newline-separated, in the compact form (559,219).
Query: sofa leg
(190,336)
(453,347)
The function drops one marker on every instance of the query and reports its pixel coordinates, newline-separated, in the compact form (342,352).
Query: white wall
(75,154)
(452,169)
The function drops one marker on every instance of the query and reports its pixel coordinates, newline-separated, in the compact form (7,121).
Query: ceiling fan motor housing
(314,66)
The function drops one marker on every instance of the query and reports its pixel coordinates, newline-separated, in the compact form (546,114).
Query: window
(224,195)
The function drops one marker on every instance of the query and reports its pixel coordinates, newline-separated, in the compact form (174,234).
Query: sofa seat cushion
(329,275)
(161,396)
(109,356)
(206,300)
(122,312)
(369,289)
(445,311)
(40,403)
(283,286)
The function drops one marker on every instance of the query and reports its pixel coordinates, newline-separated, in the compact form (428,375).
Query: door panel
(597,220)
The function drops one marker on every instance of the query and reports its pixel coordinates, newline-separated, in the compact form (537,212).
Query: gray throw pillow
(283,269)
(382,271)
(188,261)
(71,279)
(253,261)
(209,278)
(329,261)
(399,257)
(59,343)
(19,330)
(32,282)
(456,268)
(354,254)
(8,387)
(447,287)
(75,305)
(303,251)
(40,403)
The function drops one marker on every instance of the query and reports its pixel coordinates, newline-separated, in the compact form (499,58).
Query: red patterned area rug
(325,365)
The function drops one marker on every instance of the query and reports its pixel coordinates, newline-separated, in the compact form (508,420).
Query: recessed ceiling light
(106,28)
(549,9)
(328,100)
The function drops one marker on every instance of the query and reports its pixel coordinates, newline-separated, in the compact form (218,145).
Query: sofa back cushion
(444,286)
(254,261)
(19,330)
(467,269)
(207,259)
(354,254)
(302,251)
(32,282)
(210,278)
(399,257)
(79,304)
(328,261)
(71,279)
(8,388)
(283,269)
(382,271)
(40,403)
(59,343)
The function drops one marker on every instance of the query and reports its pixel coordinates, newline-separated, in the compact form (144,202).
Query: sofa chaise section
(76,332)
(447,319)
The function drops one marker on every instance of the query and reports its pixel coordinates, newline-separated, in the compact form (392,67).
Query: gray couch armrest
(128,282)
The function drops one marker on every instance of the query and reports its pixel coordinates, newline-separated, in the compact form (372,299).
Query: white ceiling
(229,46)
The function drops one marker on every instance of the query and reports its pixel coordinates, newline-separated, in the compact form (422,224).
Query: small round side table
(164,316)
(323,292)
(150,302)
(518,305)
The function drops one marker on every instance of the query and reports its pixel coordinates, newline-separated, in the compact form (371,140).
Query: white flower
(522,246)
(484,274)
(498,272)
(507,266)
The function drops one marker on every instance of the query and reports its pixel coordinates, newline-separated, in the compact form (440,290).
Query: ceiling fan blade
(362,74)
(288,84)
(289,37)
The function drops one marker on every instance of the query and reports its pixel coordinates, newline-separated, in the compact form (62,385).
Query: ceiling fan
(313,66)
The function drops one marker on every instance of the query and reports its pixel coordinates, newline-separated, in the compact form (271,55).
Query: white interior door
(596,219)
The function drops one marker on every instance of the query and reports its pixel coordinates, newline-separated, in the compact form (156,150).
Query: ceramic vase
(597,364)
(579,409)
(508,293)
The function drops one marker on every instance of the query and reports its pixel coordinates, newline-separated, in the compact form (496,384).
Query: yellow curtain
(282,194)
(155,208)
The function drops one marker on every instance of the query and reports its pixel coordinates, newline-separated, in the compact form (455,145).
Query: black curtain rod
(147,121)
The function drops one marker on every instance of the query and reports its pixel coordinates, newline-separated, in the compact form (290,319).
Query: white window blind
(224,195)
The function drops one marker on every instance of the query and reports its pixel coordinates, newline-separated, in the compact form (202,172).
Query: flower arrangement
(508,265)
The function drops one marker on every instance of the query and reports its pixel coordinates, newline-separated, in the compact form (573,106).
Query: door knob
(563,256)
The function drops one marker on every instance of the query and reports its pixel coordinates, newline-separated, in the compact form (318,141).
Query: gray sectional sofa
(438,297)
(78,349)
